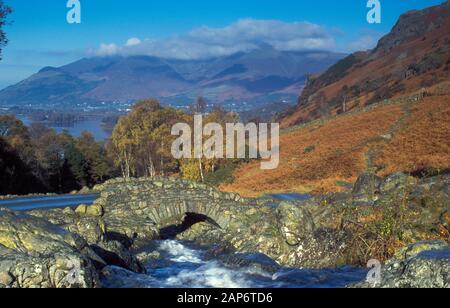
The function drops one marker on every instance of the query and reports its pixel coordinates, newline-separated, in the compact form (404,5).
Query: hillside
(384,111)
(408,134)
(414,55)
(261,76)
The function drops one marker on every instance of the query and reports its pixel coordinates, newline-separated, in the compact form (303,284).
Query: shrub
(310,149)
(222,176)
(191,171)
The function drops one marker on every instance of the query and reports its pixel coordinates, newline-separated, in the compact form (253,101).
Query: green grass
(222,176)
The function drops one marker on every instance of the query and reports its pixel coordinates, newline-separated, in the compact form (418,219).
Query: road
(47,202)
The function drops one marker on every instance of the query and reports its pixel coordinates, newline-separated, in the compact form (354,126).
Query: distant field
(410,134)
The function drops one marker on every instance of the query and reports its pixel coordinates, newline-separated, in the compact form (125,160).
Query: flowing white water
(183,266)
(180,253)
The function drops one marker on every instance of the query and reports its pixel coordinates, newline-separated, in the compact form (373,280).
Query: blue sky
(40,35)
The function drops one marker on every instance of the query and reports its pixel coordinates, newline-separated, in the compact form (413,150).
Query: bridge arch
(173,219)
(188,221)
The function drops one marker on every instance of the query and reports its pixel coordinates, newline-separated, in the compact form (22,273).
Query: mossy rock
(95,210)
(417,248)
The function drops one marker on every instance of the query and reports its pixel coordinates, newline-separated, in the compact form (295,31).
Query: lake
(94,126)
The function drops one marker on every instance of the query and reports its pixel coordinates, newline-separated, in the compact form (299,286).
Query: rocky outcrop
(88,222)
(37,254)
(421,265)
(367,189)
(414,25)
(90,227)
(116,254)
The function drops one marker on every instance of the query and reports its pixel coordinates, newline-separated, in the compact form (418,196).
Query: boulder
(95,210)
(85,190)
(37,254)
(414,250)
(397,181)
(421,265)
(148,256)
(116,254)
(255,261)
(295,223)
(90,228)
(367,188)
(116,277)
(81,209)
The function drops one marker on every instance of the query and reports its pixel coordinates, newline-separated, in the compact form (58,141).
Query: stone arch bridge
(152,209)
(165,207)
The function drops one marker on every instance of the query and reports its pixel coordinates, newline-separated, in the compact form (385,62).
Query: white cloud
(243,35)
(134,41)
(106,50)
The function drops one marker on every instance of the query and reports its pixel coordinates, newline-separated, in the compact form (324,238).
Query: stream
(185,265)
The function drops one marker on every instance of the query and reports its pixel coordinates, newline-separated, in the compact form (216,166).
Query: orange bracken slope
(409,134)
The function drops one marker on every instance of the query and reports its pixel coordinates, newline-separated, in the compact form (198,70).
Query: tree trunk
(201,170)
(151,167)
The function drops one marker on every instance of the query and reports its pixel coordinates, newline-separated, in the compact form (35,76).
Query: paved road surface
(47,202)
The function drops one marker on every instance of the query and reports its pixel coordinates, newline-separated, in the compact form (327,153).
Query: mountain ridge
(414,55)
(242,77)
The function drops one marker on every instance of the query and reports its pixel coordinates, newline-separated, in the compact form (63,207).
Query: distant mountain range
(414,55)
(254,78)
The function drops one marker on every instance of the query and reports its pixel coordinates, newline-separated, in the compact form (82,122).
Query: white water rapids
(183,266)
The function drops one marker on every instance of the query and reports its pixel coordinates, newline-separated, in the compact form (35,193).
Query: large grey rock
(255,261)
(367,188)
(87,222)
(421,265)
(90,227)
(397,181)
(116,254)
(295,223)
(37,254)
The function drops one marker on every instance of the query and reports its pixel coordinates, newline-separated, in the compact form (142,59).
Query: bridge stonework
(148,209)
(149,205)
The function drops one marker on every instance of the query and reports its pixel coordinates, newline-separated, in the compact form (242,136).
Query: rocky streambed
(162,232)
